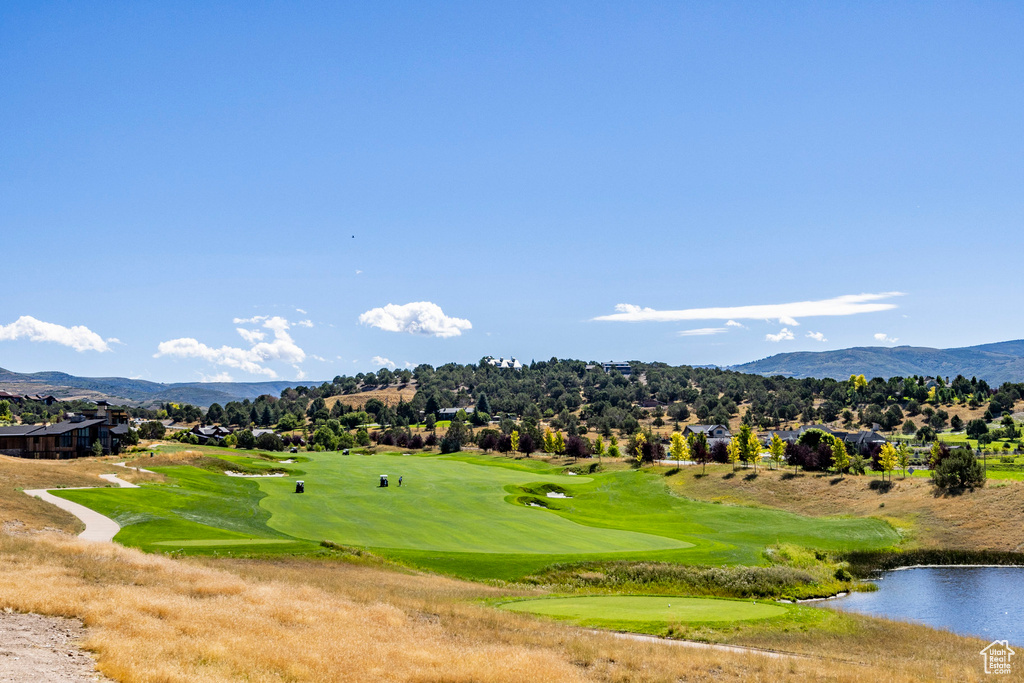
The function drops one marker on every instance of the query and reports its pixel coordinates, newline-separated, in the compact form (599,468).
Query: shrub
(269,442)
(960,470)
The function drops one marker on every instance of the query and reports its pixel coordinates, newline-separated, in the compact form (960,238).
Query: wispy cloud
(784,335)
(701,332)
(886,339)
(305,323)
(383,362)
(252,360)
(420,317)
(733,323)
(786,314)
(817,336)
(78,337)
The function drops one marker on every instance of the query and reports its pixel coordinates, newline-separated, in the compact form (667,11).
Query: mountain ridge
(995,362)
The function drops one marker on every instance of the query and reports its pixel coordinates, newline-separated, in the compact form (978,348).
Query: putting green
(647,609)
(443,505)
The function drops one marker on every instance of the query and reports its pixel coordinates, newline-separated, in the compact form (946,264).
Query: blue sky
(415,182)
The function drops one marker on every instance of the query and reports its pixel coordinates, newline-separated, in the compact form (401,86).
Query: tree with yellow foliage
(733,451)
(777,448)
(679,449)
(641,439)
(549,441)
(840,457)
(559,442)
(887,460)
(514,440)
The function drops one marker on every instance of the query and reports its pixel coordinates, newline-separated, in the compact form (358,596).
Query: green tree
(97,448)
(613,447)
(959,470)
(559,443)
(245,438)
(598,447)
(638,448)
(956,423)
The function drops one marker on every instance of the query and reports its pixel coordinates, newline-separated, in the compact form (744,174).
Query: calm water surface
(987,602)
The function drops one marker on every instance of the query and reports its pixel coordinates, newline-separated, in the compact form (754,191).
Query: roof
(119,429)
(68,426)
(707,429)
(18,430)
(454,411)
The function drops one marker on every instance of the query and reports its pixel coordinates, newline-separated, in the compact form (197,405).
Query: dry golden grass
(991,518)
(153,618)
(389,396)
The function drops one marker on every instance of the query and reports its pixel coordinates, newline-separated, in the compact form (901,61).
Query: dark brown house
(72,438)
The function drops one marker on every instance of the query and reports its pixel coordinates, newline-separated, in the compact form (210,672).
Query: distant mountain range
(119,389)
(994,363)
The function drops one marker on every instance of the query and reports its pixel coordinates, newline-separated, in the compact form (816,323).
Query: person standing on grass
(399,481)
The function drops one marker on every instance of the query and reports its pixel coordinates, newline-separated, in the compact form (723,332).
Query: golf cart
(383,481)
(300,486)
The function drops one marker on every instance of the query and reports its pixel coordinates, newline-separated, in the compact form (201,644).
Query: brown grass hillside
(389,396)
(153,618)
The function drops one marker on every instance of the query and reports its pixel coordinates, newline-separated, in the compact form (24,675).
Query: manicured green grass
(616,610)
(462,514)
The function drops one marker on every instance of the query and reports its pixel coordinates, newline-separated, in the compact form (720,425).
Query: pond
(973,601)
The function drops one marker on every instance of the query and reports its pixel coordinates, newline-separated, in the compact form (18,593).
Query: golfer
(399,480)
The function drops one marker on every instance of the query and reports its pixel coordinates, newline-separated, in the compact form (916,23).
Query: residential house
(511,363)
(450,413)
(622,366)
(72,438)
(862,442)
(710,431)
(212,433)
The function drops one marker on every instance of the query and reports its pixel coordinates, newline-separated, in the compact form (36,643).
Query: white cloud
(701,332)
(733,323)
(786,314)
(359,272)
(301,311)
(383,362)
(305,323)
(319,358)
(299,373)
(886,339)
(220,377)
(251,336)
(79,337)
(419,317)
(283,348)
(817,336)
(783,335)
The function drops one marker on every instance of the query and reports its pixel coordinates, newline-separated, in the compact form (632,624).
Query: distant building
(213,433)
(449,413)
(622,366)
(72,438)
(710,431)
(511,363)
(862,442)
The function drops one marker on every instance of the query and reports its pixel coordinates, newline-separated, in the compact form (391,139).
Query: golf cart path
(97,527)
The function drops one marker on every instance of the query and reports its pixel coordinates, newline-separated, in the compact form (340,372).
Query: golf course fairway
(470,515)
(442,505)
(619,609)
